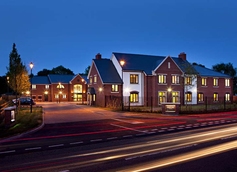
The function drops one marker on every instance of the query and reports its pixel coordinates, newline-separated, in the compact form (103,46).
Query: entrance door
(77,97)
(46,97)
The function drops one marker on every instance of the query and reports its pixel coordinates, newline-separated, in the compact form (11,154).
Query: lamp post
(31,67)
(122,62)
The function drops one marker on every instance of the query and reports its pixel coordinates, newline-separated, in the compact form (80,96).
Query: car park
(24,101)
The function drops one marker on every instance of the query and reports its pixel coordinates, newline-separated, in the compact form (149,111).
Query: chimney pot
(98,56)
(183,56)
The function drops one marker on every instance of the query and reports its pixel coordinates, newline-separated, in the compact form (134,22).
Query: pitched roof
(202,71)
(40,80)
(147,63)
(107,71)
(60,78)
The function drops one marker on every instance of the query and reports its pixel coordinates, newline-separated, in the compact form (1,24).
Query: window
(64,96)
(34,97)
(175,79)
(168,65)
(188,80)
(227,82)
(93,97)
(200,97)
(114,88)
(39,97)
(215,97)
(46,87)
(134,97)
(215,81)
(56,96)
(95,79)
(204,81)
(175,96)
(133,79)
(77,88)
(90,80)
(227,97)
(162,96)
(162,79)
(188,97)
(33,87)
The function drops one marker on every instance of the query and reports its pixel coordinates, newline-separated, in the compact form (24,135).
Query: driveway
(71,112)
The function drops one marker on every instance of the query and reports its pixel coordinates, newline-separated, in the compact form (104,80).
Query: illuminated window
(168,65)
(56,96)
(215,81)
(227,82)
(204,81)
(215,97)
(114,88)
(162,96)
(162,79)
(188,97)
(175,79)
(134,97)
(95,79)
(227,97)
(77,88)
(33,87)
(175,96)
(46,87)
(64,96)
(90,80)
(200,97)
(188,80)
(93,97)
(133,79)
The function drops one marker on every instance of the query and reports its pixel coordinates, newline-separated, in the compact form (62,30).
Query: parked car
(24,101)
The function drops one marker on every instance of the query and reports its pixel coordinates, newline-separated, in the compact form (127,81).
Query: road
(137,154)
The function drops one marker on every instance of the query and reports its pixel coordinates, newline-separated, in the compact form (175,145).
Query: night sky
(50,33)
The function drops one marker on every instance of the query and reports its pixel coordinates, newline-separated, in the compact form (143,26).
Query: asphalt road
(172,152)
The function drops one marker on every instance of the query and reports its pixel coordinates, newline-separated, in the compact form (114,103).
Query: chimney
(182,56)
(98,56)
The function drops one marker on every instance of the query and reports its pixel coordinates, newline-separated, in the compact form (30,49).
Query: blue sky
(50,33)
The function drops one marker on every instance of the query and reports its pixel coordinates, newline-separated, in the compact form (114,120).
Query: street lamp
(31,67)
(122,62)
(60,87)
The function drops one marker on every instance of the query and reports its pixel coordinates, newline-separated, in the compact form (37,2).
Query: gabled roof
(60,78)
(202,71)
(148,63)
(107,71)
(40,80)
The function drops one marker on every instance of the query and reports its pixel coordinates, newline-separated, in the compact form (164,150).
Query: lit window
(175,96)
(188,80)
(227,97)
(56,96)
(204,81)
(175,79)
(215,97)
(133,79)
(162,79)
(90,80)
(93,97)
(162,96)
(114,88)
(64,96)
(215,81)
(134,97)
(33,87)
(46,87)
(168,65)
(77,88)
(227,82)
(200,97)
(188,97)
(95,79)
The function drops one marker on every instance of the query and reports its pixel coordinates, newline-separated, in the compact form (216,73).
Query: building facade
(144,80)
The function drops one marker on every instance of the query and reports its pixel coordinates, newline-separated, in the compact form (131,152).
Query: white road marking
(127,128)
(35,148)
(11,151)
(111,138)
(133,122)
(127,136)
(52,146)
(75,143)
(96,140)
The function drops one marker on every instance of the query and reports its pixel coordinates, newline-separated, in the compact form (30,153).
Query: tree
(44,72)
(87,70)
(62,71)
(17,73)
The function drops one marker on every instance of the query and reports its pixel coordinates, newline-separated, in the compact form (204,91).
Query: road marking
(127,136)
(11,151)
(52,146)
(111,138)
(96,140)
(75,143)
(127,128)
(35,148)
(133,122)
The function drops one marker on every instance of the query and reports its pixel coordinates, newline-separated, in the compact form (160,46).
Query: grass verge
(25,121)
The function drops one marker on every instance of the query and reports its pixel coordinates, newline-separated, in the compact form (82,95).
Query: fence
(153,104)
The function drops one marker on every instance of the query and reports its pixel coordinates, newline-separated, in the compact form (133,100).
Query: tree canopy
(17,73)
(60,70)
(226,68)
